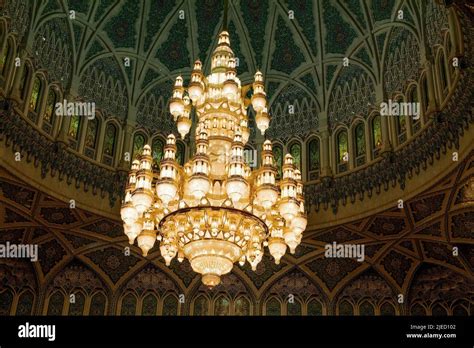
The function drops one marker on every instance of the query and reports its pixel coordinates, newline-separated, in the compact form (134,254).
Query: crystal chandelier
(215,210)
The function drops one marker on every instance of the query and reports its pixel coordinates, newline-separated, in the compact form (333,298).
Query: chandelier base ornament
(215,210)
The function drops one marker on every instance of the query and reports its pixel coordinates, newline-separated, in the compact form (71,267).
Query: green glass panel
(180,153)
(149,305)
(129,304)
(50,107)
(74,126)
(273,307)
(295,151)
(342,146)
(56,303)
(170,305)
(35,92)
(294,308)
(360,140)
(376,132)
(138,143)
(91,133)
(98,303)
(314,156)
(366,309)
(201,306)
(242,306)
(278,154)
(77,308)
(25,303)
(315,308)
(157,150)
(109,140)
(222,306)
(3,59)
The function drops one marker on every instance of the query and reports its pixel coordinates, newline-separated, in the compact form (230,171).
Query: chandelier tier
(215,210)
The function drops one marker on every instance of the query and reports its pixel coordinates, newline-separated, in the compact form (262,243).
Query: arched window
(222,306)
(242,306)
(109,144)
(294,308)
(425,93)
(56,303)
(180,152)
(77,307)
(278,154)
(201,306)
(91,137)
(315,307)
(387,309)
(400,124)
(49,112)
(413,98)
(345,308)
(376,135)
(438,310)
(295,151)
(35,94)
(273,307)
(138,143)
(157,147)
(4,58)
(129,305)
(98,303)
(24,82)
(366,308)
(314,159)
(6,299)
(149,305)
(74,126)
(359,136)
(443,74)
(417,309)
(342,148)
(25,303)
(460,310)
(170,305)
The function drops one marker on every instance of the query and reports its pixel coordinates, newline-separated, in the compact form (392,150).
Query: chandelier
(215,210)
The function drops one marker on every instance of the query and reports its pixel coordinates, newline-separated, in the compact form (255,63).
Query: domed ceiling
(299,45)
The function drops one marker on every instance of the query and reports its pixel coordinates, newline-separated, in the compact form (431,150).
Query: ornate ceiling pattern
(408,251)
(125,54)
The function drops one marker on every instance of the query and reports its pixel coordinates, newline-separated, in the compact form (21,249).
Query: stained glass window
(360,139)
(295,151)
(50,107)
(157,150)
(35,94)
(24,81)
(170,305)
(273,307)
(425,93)
(180,151)
(294,308)
(222,306)
(6,299)
(366,308)
(376,133)
(342,147)
(278,154)
(91,133)
(98,303)
(129,304)
(345,308)
(442,71)
(439,310)
(315,307)
(138,143)
(387,309)
(56,303)
(201,306)
(25,303)
(313,158)
(74,126)
(242,306)
(77,308)
(149,305)
(109,140)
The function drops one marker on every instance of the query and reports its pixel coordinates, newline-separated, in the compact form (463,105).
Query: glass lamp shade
(267,196)
(166,190)
(237,188)
(263,121)
(195,91)
(176,107)
(230,89)
(168,252)
(146,239)
(128,213)
(132,231)
(259,102)
(212,258)
(288,208)
(183,125)
(291,240)
(198,185)
(142,200)
(277,248)
(298,223)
